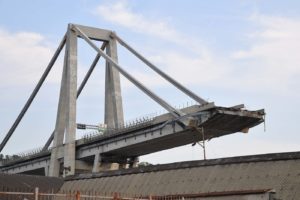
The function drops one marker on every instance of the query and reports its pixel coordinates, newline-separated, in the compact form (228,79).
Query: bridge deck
(222,121)
(160,133)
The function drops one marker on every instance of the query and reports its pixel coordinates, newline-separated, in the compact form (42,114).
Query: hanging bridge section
(123,145)
(119,146)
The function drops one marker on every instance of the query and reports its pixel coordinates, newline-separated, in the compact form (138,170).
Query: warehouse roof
(27,183)
(279,171)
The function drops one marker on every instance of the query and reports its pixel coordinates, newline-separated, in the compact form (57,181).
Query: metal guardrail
(7,159)
(112,132)
(136,123)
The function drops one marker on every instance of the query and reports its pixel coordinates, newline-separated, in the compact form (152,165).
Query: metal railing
(133,124)
(64,195)
(23,155)
(94,195)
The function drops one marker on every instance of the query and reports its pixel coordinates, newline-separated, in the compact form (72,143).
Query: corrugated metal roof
(27,183)
(280,172)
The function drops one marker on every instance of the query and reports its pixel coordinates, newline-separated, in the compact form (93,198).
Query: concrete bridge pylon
(65,128)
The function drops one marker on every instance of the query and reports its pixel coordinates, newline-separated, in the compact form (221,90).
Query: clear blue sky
(228,52)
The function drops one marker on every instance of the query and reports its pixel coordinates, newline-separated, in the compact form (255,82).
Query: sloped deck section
(279,171)
(215,121)
(160,133)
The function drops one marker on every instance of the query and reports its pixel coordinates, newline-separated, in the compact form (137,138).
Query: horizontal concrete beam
(95,33)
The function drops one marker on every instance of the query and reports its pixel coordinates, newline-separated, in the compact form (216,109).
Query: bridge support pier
(70,135)
(65,129)
(134,162)
(97,163)
(113,116)
(54,168)
(66,115)
(46,170)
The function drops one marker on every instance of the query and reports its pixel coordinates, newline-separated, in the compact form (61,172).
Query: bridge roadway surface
(161,133)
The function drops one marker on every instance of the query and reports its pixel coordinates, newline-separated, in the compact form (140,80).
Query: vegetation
(143,164)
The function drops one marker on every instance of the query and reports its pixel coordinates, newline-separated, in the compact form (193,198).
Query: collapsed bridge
(122,144)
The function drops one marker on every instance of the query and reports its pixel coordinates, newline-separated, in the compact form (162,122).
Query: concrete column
(113,115)
(60,125)
(97,163)
(124,166)
(135,162)
(70,135)
(47,170)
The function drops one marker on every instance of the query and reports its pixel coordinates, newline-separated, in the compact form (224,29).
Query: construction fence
(94,195)
(71,195)
(65,195)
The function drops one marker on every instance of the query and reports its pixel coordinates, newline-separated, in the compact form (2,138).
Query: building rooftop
(279,172)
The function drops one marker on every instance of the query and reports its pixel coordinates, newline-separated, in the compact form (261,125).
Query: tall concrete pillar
(65,127)
(47,170)
(60,125)
(113,115)
(70,135)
